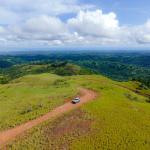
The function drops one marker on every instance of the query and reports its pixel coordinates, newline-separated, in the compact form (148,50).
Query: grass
(119,122)
(28,97)
(137,87)
(116,121)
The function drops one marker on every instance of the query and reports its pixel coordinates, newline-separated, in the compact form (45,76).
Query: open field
(9,135)
(28,97)
(117,119)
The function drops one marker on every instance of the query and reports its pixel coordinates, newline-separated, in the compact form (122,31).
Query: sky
(37,24)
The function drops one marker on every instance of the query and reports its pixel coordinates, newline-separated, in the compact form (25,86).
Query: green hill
(117,119)
(62,68)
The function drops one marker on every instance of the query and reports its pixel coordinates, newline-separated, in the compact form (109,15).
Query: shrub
(26,110)
(130,97)
(148,100)
(60,82)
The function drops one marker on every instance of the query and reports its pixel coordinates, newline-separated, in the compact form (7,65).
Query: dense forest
(116,65)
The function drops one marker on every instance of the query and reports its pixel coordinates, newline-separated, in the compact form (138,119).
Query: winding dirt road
(10,134)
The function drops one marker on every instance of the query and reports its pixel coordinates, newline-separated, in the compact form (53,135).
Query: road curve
(10,134)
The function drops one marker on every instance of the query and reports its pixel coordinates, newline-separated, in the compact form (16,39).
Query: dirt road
(8,135)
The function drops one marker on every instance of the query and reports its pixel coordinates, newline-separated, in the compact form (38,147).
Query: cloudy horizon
(75,23)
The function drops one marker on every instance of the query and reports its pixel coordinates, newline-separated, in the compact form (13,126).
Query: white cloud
(44,27)
(44,24)
(87,28)
(95,23)
(20,10)
(99,28)
(142,33)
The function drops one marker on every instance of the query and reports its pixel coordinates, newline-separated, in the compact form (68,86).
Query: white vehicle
(76,100)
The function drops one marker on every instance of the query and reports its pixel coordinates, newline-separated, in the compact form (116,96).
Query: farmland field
(117,119)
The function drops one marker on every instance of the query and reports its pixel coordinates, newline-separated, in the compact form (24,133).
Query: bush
(27,110)
(130,97)
(60,82)
(148,100)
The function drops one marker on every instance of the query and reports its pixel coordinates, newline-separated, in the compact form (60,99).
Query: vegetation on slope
(28,97)
(122,66)
(117,119)
(62,68)
(137,87)
(114,120)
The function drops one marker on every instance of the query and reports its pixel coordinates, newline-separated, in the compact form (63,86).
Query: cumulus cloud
(25,9)
(98,28)
(95,23)
(44,24)
(89,27)
(48,29)
(30,23)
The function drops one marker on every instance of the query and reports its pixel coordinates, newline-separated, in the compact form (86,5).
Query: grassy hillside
(136,87)
(117,119)
(31,96)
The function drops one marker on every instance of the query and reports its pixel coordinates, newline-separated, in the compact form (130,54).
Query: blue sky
(43,24)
